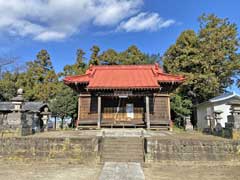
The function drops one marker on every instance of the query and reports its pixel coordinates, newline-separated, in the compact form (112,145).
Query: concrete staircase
(122,149)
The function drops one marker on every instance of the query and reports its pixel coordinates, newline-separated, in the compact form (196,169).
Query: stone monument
(233,123)
(218,118)
(188,124)
(19,117)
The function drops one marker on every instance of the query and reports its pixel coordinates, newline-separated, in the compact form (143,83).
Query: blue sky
(63,26)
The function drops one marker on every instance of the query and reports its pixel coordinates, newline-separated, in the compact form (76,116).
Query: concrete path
(121,171)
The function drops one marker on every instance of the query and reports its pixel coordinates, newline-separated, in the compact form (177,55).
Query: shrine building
(124,96)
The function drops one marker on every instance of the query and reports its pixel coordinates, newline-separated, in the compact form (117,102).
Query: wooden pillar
(55,122)
(79,110)
(147,112)
(169,110)
(99,111)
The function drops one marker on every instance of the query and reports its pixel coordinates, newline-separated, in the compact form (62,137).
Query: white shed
(219,103)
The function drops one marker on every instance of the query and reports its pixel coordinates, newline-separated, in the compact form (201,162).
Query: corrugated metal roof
(224,97)
(123,77)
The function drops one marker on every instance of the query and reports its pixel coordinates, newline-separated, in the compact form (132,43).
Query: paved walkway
(122,171)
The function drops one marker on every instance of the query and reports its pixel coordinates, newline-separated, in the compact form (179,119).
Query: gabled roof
(124,77)
(27,106)
(34,106)
(6,106)
(222,97)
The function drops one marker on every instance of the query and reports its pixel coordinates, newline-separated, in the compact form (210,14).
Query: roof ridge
(123,65)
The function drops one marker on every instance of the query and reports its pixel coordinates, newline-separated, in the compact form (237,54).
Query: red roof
(123,77)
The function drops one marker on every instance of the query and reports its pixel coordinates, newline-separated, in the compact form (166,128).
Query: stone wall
(88,149)
(16,124)
(191,150)
(72,149)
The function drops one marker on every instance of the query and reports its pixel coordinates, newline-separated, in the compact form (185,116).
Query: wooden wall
(87,108)
(160,109)
(110,104)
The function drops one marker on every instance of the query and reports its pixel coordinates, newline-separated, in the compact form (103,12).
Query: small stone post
(188,124)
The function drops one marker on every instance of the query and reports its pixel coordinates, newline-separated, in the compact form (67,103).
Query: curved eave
(170,82)
(67,82)
(123,88)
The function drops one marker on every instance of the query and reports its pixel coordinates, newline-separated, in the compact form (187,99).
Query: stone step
(122,142)
(110,159)
(122,138)
(137,141)
(122,158)
(122,146)
(113,150)
(123,152)
(122,149)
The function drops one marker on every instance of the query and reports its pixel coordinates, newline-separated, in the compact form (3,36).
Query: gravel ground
(193,171)
(16,170)
(19,170)
(175,135)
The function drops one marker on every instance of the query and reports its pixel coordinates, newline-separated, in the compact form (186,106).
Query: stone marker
(188,124)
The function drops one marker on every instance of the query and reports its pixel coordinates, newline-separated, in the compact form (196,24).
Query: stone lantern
(218,118)
(45,116)
(210,122)
(18,100)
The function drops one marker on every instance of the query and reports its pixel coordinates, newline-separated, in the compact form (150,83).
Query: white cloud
(111,13)
(49,20)
(57,19)
(50,35)
(144,22)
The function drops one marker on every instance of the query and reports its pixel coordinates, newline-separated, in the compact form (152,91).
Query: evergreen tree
(65,103)
(208,59)
(40,80)
(132,55)
(94,60)
(8,88)
(78,67)
(110,57)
